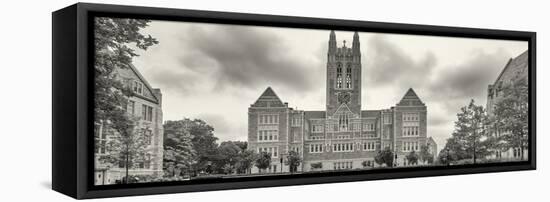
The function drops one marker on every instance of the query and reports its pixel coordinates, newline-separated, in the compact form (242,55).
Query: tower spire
(332,42)
(356,47)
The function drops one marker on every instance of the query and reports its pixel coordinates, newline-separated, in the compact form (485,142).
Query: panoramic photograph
(185,101)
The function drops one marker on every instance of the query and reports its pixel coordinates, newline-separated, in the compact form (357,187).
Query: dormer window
(137,87)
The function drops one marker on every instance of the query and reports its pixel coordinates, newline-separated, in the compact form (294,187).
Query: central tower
(343,76)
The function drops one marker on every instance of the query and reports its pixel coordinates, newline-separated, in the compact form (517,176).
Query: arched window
(339,79)
(343,122)
(348,76)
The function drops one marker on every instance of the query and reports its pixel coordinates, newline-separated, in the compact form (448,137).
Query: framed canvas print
(155,100)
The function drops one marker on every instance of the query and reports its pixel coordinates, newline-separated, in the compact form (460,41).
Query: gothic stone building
(343,136)
(146,105)
(515,69)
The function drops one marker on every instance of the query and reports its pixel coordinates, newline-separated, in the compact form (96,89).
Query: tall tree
(293,160)
(228,156)
(470,128)
(127,147)
(114,42)
(179,154)
(114,39)
(204,143)
(470,139)
(263,161)
(384,156)
(511,115)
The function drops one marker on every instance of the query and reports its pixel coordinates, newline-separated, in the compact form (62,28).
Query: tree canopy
(179,154)
(511,116)
(115,40)
(385,156)
(293,160)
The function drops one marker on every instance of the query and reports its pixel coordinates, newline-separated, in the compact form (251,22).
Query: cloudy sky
(214,72)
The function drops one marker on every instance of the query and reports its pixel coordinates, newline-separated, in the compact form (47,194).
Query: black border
(73,175)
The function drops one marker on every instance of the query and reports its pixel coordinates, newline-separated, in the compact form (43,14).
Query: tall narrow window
(147,113)
(343,122)
(100,139)
(339,76)
(348,76)
(131,107)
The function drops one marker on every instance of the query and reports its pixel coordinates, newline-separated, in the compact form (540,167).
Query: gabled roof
(268,99)
(132,73)
(144,81)
(344,109)
(410,99)
(514,64)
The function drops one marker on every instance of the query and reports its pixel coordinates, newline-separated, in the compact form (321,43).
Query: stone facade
(343,136)
(146,105)
(516,68)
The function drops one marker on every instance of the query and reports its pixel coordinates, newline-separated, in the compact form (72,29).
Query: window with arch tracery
(339,80)
(343,122)
(348,76)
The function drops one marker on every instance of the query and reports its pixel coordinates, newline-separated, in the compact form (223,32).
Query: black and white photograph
(271,101)
(184,101)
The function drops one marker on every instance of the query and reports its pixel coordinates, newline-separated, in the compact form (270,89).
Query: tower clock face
(344,98)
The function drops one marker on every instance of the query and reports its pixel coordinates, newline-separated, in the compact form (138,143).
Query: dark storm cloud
(387,64)
(469,79)
(172,80)
(243,57)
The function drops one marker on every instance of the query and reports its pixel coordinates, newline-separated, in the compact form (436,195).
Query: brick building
(343,136)
(146,105)
(515,69)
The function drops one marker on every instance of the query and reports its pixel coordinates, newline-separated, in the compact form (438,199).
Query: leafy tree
(179,154)
(425,154)
(242,144)
(511,116)
(127,146)
(228,156)
(263,161)
(245,161)
(470,131)
(445,157)
(203,142)
(384,156)
(293,160)
(412,158)
(113,38)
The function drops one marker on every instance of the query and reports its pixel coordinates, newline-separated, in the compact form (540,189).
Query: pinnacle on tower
(332,42)
(356,47)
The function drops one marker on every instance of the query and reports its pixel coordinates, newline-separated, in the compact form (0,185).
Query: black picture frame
(72,83)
